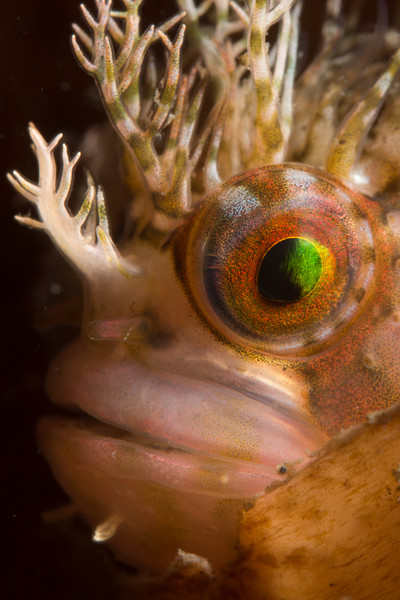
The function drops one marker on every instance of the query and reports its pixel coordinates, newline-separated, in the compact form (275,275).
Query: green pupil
(290,270)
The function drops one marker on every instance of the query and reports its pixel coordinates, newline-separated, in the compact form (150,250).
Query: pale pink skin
(198,430)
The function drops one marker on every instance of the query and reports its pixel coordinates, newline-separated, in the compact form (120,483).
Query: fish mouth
(116,453)
(176,419)
(146,497)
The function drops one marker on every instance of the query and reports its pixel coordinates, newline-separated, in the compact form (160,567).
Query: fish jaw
(172,459)
(137,489)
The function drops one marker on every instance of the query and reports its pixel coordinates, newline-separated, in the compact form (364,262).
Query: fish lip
(193,415)
(107,430)
(111,431)
(270,384)
(169,466)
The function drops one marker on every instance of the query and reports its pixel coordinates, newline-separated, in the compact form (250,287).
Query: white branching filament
(245,121)
(84,238)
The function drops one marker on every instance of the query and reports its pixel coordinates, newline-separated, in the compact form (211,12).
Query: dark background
(41,82)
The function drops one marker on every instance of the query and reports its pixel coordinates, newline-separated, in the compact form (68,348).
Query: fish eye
(281,259)
(289,270)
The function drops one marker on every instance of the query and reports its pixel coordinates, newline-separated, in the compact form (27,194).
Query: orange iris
(235,229)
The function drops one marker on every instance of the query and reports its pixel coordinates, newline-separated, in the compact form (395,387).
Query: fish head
(250,311)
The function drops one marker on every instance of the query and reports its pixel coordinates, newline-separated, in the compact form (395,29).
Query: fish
(247,309)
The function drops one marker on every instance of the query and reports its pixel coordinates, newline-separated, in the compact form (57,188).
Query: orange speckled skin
(362,346)
(367,356)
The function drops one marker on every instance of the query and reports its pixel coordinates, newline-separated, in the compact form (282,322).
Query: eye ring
(236,227)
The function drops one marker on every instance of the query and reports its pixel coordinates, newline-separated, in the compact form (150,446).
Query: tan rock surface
(333,531)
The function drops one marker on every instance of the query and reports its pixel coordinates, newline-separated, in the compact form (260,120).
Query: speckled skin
(346,328)
(198,391)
